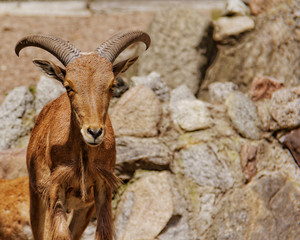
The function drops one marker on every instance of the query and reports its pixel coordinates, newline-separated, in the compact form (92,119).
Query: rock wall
(225,168)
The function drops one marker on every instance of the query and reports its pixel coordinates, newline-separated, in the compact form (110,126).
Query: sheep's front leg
(103,197)
(59,229)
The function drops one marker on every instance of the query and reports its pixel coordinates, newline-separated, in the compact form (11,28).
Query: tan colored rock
(137,113)
(263,87)
(231,26)
(145,208)
(13,163)
(14,209)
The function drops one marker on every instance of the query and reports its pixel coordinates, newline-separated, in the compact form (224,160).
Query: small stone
(285,107)
(263,87)
(243,115)
(191,115)
(233,26)
(219,91)
(47,90)
(154,82)
(236,7)
(137,113)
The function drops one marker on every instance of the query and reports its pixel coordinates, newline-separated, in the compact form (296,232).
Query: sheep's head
(89,78)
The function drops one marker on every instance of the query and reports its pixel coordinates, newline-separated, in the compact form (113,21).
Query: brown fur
(68,175)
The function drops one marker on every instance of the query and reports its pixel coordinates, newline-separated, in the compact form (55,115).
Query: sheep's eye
(112,87)
(69,89)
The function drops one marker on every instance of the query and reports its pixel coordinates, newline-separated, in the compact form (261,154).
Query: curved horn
(111,48)
(61,49)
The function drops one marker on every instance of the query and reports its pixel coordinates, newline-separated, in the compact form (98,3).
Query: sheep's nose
(95,133)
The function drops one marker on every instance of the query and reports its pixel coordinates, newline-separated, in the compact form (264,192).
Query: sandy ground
(86,33)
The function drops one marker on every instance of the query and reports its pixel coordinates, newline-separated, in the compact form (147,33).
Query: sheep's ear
(123,66)
(51,69)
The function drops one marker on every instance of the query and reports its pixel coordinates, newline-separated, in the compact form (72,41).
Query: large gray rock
(146,207)
(141,153)
(47,90)
(16,116)
(137,113)
(272,49)
(174,53)
(243,115)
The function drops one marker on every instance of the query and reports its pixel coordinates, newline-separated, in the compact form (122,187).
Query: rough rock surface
(132,155)
(47,90)
(264,209)
(243,115)
(272,49)
(16,114)
(13,163)
(175,53)
(137,113)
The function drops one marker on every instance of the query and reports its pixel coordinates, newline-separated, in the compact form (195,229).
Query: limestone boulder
(148,210)
(16,116)
(13,163)
(271,49)
(137,113)
(236,7)
(176,52)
